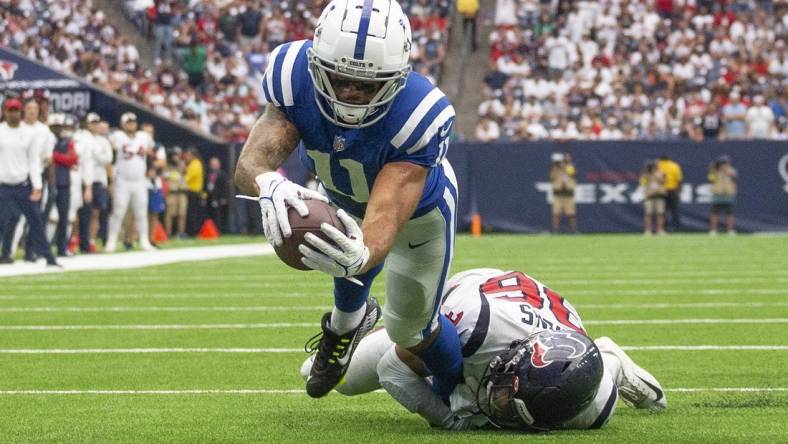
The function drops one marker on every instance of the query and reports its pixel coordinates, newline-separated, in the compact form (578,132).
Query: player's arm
(270,142)
(272,139)
(415,394)
(395,195)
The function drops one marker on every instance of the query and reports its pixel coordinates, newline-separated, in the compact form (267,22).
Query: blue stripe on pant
(17,198)
(449,212)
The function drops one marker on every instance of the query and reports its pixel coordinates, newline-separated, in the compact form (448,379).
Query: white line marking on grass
(300,294)
(683,305)
(276,308)
(137,259)
(703,347)
(727,389)
(156,392)
(77,351)
(285,308)
(685,321)
(301,391)
(314,325)
(158,326)
(158,295)
(677,291)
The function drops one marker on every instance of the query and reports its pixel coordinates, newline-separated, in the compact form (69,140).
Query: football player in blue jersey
(376,136)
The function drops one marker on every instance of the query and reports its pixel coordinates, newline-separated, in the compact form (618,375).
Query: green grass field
(671,291)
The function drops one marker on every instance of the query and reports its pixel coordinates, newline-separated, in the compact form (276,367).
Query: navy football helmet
(541,382)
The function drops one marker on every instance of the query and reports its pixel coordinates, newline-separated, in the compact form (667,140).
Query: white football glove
(344,259)
(276,194)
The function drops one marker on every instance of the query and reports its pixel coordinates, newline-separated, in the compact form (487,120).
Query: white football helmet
(365,41)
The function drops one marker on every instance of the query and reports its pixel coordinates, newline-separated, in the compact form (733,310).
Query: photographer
(722,176)
(653,182)
(562,179)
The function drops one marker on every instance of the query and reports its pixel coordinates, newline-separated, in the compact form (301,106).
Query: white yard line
(289,294)
(137,259)
(285,308)
(78,351)
(684,321)
(248,326)
(268,283)
(301,391)
(156,295)
(262,308)
(159,326)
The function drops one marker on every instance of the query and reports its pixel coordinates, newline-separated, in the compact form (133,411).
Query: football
(319,213)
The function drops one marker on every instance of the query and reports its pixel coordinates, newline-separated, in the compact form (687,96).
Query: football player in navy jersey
(376,135)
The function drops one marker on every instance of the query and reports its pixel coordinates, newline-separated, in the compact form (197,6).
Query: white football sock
(342,321)
(612,366)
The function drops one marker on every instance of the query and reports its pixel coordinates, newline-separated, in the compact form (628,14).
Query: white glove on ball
(346,258)
(276,194)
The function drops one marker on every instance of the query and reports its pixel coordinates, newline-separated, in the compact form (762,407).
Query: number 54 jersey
(347,160)
(491,309)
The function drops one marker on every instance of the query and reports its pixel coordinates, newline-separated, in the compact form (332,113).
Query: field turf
(182,353)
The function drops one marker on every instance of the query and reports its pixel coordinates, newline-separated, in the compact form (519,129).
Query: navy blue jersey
(348,160)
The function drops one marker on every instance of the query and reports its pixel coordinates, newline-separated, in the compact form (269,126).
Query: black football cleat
(335,351)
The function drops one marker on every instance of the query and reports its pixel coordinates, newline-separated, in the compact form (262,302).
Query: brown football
(319,213)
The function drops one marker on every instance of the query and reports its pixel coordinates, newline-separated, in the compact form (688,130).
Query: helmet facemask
(498,389)
(352,115)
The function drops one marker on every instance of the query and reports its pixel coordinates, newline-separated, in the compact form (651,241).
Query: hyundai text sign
(19,73)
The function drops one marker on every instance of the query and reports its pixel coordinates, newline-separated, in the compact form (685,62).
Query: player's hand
(346,258)
(35,196)
(87,195)
(276,194)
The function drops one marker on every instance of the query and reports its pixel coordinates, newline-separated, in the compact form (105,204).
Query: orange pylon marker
(208,231)
(476,225)
(159,235)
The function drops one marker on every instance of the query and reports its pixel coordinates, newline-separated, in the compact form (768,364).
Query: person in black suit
(216,189)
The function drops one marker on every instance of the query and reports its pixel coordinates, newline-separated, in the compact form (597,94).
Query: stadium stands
(210,54)
(638,69)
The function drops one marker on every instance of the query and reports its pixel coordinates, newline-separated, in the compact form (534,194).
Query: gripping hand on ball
(347,257)
(276,194)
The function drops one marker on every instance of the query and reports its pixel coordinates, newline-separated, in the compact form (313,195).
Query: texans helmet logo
(537,357)
(560,345)
(7,69)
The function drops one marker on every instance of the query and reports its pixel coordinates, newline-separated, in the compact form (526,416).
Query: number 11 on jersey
(359,189)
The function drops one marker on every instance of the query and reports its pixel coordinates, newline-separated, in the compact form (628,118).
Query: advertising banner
(507,184)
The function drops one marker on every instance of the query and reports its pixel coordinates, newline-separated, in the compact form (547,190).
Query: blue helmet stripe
(363,27)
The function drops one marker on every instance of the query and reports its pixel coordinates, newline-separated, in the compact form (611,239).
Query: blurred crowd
(636,69)
(209,55)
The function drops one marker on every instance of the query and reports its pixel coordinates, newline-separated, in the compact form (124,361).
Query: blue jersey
(348,160)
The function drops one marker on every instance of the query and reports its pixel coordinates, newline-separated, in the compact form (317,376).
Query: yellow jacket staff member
(194,173)
(672,172)
(673,178)
(194,185)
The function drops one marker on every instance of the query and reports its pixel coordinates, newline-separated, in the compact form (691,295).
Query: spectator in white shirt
(760,119)
(487,130)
